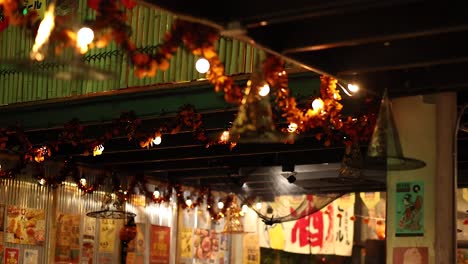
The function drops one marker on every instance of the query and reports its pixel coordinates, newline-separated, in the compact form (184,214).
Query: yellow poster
(186,243)
(25,226)
(107,235)
(370,199)
(37,5)
(251,249)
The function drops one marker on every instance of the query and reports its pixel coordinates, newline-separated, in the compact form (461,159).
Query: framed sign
(409,209)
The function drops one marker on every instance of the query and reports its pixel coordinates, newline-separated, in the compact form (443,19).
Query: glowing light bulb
(245,208)
(224,136)
(85,36)
(83,182)
(353,88)
(264,90)
(98,150)
(43,33)
(202,65)
(42,181)
(220,205)
(292,127)
(188,202)
(157,140)
(317,104)
(156,194)
(258,206)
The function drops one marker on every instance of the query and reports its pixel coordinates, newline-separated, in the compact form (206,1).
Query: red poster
(11,256)
(160,244)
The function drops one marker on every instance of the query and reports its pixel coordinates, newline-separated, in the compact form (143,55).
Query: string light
(220,205)
(292,127)
(224,136)
(245,208)
(188,202)
(202,65)
(258,206)
(42,181)
(84,37)
(98,150)
(156,194)
(353,88)
(264,90)
(83,181)
(157,140)
(317,104)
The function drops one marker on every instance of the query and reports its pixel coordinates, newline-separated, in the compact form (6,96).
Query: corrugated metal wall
(149,26)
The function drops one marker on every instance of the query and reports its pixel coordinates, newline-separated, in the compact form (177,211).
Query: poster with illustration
(409,209)
(87,246)
(106,258)
(251,249)
(160,244)
(30,256)
(67,242)
(410,255)
(136,247)
(205,244)
(186,243)
(25,226)
(11,256)
(107,235)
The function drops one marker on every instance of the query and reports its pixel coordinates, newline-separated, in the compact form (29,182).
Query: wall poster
(30,256)
(67,242)
(160,244)
(136,247)
(87,247)
(25,226)
(251,249)
(410,255)
(409,209)
(186,243)
(107,235)
(11,256)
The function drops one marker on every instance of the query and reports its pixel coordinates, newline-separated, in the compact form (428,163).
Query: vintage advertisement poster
(87,247)
(31,256)
(251,249)
(186,243)
(25,226)
(160,244)
(409,209)
(410,255)
(205,244)
(136,247)
(11,256)
(106,258)
(343,226)
(107,235)
(67,242)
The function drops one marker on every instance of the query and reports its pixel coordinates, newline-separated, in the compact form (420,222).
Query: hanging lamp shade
(112,208)
(233,224)
(384,150)
(254,121)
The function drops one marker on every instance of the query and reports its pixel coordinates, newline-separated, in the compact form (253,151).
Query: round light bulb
(258,206)
(188,202)
(264,90)
(220,205)
(353,88)
(156,194)
(317,104)
(157,140)
(245,208)
(83,181)
(85,36)
(224,136)
(292,127)
(202,65)
(42,181)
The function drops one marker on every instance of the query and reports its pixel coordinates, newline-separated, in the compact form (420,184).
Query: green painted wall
(149,26)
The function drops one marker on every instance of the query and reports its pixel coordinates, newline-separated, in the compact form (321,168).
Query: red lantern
(128,231)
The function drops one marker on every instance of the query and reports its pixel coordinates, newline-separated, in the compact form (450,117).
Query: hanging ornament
(233,223)
(384,151)
(254,121)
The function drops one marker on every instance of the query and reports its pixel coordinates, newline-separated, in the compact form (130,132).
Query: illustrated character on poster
(411,218)
(206,244)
